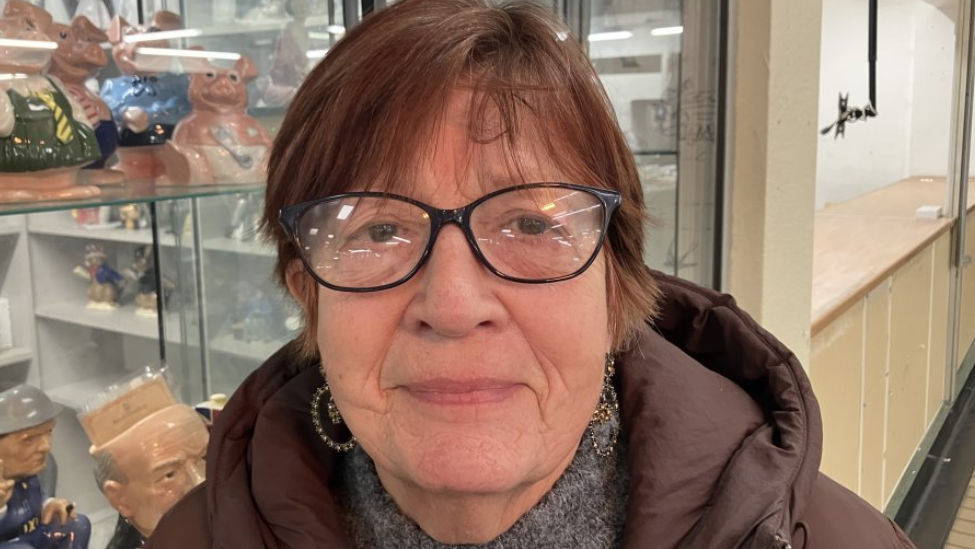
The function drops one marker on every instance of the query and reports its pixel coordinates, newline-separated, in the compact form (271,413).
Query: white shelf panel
(259,351)
(15,355)
(64,225)
(11,224)
(224,244)
(76,395)
(122,320)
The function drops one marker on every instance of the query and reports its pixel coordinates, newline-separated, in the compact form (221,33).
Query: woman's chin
(467,465)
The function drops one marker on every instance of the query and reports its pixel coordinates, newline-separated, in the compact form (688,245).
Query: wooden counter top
(860,242)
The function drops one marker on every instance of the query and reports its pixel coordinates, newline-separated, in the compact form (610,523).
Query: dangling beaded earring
(333,415)
(606,415)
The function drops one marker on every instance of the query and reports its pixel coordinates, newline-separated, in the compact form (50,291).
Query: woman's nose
(456,292)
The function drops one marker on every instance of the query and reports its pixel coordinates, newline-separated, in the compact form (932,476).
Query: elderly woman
(486,361)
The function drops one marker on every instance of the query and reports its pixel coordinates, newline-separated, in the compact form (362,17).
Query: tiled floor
(963,532)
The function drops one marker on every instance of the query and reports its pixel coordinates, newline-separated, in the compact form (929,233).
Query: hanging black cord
(848,114)
(872,56)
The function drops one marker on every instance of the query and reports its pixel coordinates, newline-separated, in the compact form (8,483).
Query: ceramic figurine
(144,271)
(95,11)
(105,282)
(79,57)
(245,223)
(255,317)
(149,452)
(27,419)
(134,216)
(148,100)
(290,63)
(218,142)
(267,12)
(45,136)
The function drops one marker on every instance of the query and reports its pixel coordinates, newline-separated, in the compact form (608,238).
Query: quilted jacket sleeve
(836,517)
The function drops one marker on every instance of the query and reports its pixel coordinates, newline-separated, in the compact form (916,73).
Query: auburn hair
(363,113)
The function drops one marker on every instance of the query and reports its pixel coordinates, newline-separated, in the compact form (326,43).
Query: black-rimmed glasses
(369,241)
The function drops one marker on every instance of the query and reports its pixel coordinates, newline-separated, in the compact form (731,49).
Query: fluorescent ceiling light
(199,54)
(14,76)
(614,35)
(316,35)
(335,29)
(161,35)
(28,44)
(316,54)
(667,31)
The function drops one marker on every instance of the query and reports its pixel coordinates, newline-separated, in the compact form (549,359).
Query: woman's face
(458,381)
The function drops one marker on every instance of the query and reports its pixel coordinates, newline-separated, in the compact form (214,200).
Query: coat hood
(723,439)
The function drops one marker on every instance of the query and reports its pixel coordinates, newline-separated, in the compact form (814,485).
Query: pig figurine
(219,142)
(148,100)
(78,58)
(45,136)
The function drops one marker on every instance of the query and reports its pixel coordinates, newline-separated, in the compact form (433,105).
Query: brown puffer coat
(724,447)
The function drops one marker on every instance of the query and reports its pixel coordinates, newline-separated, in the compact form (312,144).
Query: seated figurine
(45,136)
(29,519)
(105,283)
(148,99)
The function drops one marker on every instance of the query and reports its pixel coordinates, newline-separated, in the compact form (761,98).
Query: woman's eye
(64,35)
(532,226)
(171,475)
(383,232)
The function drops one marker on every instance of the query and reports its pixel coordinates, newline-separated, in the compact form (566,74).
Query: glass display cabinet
(166,268)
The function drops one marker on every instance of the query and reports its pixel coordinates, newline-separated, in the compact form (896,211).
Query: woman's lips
(462,392)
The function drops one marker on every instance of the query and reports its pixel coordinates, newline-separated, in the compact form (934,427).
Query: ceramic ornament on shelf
(149,99)
(78,58)
(105,283)
(290,63)
(219,142)
(45,136)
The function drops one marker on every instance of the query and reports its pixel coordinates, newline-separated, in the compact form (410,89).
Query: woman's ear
(300,284)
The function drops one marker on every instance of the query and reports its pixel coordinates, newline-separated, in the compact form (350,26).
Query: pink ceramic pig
(218,142)
(79,57)
(45,136)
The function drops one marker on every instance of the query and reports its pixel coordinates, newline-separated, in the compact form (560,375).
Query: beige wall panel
(941,277)
(909,314)
(876,342)
(966,324)
(836,371)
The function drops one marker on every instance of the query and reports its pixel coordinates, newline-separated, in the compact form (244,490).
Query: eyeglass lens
(530,234)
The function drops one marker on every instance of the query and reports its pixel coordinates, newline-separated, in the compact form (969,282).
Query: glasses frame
(290,217)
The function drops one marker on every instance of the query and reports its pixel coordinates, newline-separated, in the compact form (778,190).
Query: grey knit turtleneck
(585,509)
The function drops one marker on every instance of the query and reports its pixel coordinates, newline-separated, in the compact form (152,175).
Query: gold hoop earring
(606,414)
(333,415)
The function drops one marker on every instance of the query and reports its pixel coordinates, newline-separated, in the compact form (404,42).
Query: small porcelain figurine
(144,271)
(134,216)
(255,317)
(218,142)
(267,12)
(105,282)
(148,100)
(290,62)
(45,136)
(245,223)
(79,57)
(27,420)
